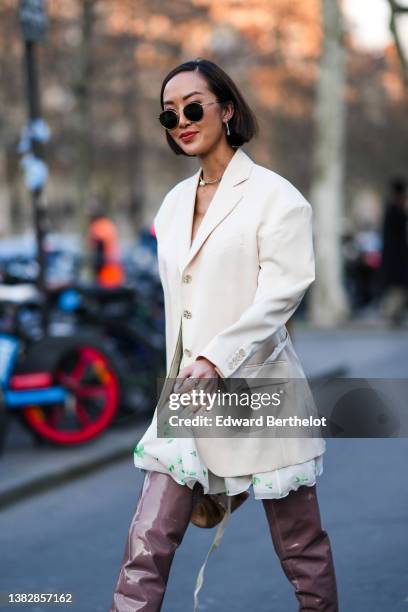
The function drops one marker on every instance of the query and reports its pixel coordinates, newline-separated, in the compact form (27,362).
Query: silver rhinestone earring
(228,130)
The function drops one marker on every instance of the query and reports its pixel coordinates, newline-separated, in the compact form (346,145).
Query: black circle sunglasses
(193,112)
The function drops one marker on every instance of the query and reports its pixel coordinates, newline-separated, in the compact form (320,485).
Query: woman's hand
(200,375)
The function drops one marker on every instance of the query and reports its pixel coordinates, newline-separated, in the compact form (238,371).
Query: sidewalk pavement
(28,469)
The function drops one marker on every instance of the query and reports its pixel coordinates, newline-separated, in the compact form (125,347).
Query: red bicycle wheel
(92,399)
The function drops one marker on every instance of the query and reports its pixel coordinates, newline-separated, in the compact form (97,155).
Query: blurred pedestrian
(394,266)
(105,252)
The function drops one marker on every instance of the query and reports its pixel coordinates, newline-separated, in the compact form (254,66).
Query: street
(71,538)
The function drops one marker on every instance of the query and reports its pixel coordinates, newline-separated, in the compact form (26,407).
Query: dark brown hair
(243,124)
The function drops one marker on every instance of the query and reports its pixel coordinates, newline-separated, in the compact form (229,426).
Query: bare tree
(328,298)
(84,127)
(397,10)
(9,175)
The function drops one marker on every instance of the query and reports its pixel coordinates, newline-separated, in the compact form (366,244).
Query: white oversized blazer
(229,294)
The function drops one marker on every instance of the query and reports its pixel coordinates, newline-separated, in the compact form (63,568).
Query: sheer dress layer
(179,458)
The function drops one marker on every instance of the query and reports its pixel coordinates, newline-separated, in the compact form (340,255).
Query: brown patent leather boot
(303,548)
(160,520)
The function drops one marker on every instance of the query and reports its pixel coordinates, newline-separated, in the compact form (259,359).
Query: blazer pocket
(270,351)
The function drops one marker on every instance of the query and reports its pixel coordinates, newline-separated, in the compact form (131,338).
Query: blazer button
(187,352)
(187,278)
(187,314)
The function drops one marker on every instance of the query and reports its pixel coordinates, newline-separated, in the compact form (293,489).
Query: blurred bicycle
(64,390)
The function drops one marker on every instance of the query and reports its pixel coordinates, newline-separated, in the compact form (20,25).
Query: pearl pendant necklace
(203,182)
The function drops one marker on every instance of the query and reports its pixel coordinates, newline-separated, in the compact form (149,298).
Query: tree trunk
(6,133)
(84,118)
(133,109)
(397,9)
(328,304)
(5,222)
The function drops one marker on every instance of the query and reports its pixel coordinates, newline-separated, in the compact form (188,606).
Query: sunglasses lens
(193,111)
(168,119)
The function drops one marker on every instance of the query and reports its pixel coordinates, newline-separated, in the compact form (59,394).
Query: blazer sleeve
(286,270)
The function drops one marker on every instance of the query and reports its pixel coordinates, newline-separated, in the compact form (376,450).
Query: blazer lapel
(230,191)
(185,212)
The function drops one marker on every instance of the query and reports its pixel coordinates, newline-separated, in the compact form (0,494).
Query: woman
(235,259)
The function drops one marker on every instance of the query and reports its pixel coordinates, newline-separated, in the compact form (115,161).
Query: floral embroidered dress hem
(179,458)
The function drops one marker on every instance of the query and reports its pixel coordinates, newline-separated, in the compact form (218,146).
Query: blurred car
(18,262)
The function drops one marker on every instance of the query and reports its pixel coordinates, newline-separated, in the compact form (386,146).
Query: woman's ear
(228,111)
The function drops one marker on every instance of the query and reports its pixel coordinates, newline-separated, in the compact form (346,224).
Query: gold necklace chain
(203,181)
